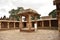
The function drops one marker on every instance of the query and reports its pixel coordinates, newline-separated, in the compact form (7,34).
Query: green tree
(13,13)
(38,17)
(53,13)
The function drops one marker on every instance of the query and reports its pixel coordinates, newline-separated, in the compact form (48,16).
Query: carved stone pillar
(57,3)
(14,24)
(29,22)
(8,25)
(58,18)
(50,24)
(0,25)
(59,24)
(42,24)
(21,25)
(35,23)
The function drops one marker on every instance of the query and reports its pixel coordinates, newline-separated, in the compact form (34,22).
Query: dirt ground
(38,35)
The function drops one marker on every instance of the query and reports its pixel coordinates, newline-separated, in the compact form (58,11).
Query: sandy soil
(38,35)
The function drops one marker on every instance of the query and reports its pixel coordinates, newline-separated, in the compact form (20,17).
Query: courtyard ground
(38,35)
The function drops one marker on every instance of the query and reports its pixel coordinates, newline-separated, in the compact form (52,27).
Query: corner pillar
(59,25)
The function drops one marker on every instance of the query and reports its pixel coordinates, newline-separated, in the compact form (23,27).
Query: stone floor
(38,35)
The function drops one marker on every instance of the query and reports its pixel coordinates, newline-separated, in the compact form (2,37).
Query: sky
(43,7)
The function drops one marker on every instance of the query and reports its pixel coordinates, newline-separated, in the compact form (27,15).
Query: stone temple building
(45,22)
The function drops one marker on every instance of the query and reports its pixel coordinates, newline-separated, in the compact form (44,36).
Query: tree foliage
(38,17)
(53,13)
(13,12)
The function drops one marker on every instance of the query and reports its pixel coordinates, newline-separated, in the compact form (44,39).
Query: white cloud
(43,7)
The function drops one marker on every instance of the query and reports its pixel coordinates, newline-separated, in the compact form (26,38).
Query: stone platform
(27,30)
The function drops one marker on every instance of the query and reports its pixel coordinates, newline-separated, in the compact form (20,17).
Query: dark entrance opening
(11,25)
(54,23)
(33,24)
(17,24)
(4,25)
(24,24)
(46,23)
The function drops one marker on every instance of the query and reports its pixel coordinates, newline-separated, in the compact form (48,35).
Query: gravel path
(38,35)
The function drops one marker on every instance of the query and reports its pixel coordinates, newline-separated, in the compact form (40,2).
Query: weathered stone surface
(38,35)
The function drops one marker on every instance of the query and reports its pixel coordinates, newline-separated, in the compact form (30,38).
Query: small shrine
(28,13)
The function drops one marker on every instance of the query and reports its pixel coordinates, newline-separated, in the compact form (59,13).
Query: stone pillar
(35,23)
(57,3)
(8,25)
(29,22)
(14,24)
(42,24)
(20,24)
(0,25)
(58,18)
(59,25)
(50,24)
